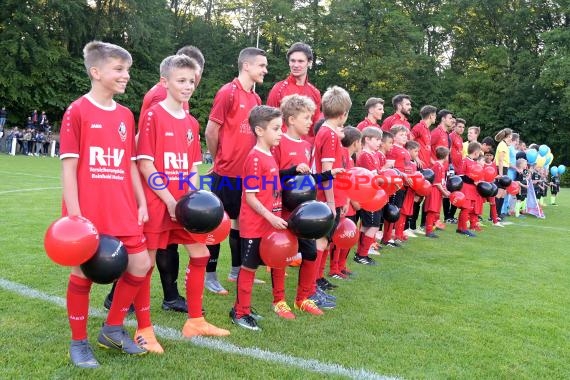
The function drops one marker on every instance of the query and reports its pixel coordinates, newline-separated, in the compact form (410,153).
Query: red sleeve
(329,147)
(387,124)
(276,152)
(222,105)
(70,133)
(365,160)
(273,99)
(146,146)
(195,147)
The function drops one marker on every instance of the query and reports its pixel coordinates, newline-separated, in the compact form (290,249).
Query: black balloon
(485,189)
(109,261)
(429,175)
(391,213)
(503,181)
(311,220)
(454,183)
(199,211)
(495,189)
(299,189)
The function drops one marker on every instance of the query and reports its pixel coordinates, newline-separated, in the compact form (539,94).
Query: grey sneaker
(212,284)
(116,337)
(322,302)
(325,295)
(81,354)
(247,321)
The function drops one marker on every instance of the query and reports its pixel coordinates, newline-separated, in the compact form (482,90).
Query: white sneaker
(419,231)
(498,224)
(410,233)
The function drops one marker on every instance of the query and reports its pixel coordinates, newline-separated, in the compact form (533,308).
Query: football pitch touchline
(544,227)
(15,174)
(214,344)
(34,189)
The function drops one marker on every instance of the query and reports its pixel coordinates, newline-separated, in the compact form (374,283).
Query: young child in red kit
(468,211)
(433,202)
(490,161)
(407,209)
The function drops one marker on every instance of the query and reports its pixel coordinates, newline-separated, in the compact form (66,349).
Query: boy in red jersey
(229,139)
(375,109)
(402,163)
(467,212)
(101,182)
(169,143)
(352,145)
(421,134)
(300,59)
(432,203)
(490,161)
(261,207)
(371,220)
(293,156)
(167,260)
(328,155)
(410,198)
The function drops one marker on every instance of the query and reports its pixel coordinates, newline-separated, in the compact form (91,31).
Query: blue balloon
(561,169)
(543,150)
(554,171)
(531,155)
(548,161)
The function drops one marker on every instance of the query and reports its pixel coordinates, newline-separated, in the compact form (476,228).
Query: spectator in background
(30,123)
(9,136)
(34,118)
(43,121)
(3,117)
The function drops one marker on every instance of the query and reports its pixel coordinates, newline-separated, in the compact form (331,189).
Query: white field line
(16,174)
(543,227)
(27,190)
(214,344)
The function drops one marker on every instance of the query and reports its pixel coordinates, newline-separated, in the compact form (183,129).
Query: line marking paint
(28,190)
(213,344)
(26,174)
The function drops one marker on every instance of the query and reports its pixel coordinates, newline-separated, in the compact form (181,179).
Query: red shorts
(134,244)
(160,240)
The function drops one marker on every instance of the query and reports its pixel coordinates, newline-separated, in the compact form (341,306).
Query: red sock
(128,290)
(400,225)
(333,263)
(431,218)
(343,255)
(494,215)
(323,263)
(463,218)
(320,254)
(307,280)
(387,231)
(278,282)
(195,272)
(244,287)
(367,242)
(78,290)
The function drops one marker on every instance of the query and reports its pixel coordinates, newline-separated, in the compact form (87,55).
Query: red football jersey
(456,152)
(291,152)
(381,159)
(396,119)
(289,86)
(439,137)
(368,160)
(402,159)
(155,95)
(434,201)
(261,176)
(421,134)
(367,123)
(173,145)
(103,141)
(231,110)
(328,148)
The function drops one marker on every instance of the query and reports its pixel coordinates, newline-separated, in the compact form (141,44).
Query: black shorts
(308,249)
(521,197)
(250,257)
(228,189)
(335,224)
(371,218)
(554,189)
(356,217)
(505,171)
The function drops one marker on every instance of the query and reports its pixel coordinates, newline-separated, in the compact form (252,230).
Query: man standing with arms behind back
(229,139)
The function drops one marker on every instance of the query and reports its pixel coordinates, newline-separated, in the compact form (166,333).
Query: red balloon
(489,173)
(425,189)
(346,234)
(514,188)
(71,240)
(475,172)
(358,184)
(457,198)
(218,235)
(377,202)
(417,180)
(279,249)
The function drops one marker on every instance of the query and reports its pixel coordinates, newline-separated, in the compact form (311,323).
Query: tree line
(495,63)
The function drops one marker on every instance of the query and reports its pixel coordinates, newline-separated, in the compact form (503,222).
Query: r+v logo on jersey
(112,157)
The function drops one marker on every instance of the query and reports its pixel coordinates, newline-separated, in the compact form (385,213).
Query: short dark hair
(412,145)
(387,135)
(300,47)
(399,99)
(351,135)
(443,113)
(441,152)
(425,111)
(247,54)
(371,102)
(193,52)
(488,141)
(260,116)
(460,121)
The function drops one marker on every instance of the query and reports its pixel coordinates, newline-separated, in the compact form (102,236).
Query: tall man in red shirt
(440,137)
(456,159)
(402,108)
(300,58)
(375,109)
(230,139)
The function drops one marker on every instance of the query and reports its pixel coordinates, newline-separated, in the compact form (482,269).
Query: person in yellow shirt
(502,160)
(472,135)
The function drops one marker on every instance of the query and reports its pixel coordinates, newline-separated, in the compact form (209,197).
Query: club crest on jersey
(189,137)
(123,131)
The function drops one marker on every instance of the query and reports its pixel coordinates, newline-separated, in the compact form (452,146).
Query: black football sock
(167,262)
(214,255)
(235,247)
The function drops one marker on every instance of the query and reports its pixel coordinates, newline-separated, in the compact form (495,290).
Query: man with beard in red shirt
(402,108)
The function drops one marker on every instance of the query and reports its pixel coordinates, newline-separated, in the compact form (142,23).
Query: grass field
(491,307)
